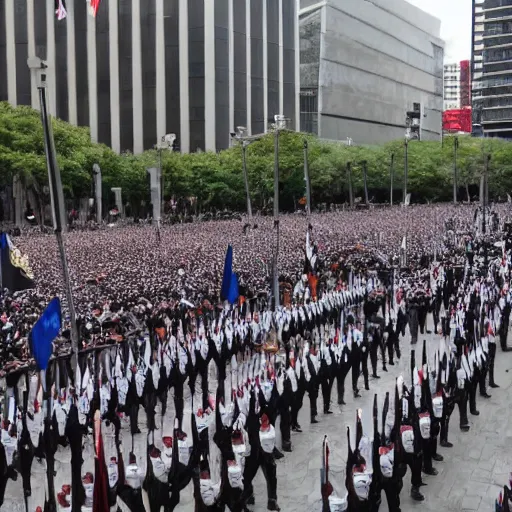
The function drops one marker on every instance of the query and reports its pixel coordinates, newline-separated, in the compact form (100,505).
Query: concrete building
(451,86)
(145,68)
(363,65)
(492,68)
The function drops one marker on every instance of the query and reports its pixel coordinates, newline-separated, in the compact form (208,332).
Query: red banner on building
(458,120)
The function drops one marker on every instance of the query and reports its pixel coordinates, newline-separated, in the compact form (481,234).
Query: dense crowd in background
(213,378)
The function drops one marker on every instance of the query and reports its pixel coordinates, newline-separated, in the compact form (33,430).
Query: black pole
(406,168)
(484,201)
(350,191)
(365,177)
(391,173)
(455,148)
(58,206)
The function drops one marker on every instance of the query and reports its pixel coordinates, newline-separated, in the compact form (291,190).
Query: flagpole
(57,200)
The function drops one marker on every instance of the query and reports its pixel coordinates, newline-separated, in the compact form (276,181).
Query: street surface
(470,478)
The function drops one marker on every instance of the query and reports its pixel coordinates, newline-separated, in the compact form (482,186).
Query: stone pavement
(470,478)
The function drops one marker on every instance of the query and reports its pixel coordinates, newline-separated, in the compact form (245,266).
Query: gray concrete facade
(144,68)
(364,64)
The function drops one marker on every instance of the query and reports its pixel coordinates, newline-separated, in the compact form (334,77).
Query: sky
(455,16)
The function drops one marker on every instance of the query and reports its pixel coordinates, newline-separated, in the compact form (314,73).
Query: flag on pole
(229,290)
(94,5)
(60,9)
(44,332)
(15,273)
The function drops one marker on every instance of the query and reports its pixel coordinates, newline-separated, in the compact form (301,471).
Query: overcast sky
(455,16)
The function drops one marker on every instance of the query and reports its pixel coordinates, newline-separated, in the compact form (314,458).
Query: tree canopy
(216,179)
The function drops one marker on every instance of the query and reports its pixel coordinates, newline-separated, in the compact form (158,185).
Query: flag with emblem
(15,273)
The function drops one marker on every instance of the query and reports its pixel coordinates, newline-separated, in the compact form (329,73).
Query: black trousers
(283,407)
(178,400)
(364,365)
(356,367)
(326,381)
(268,465)
(393,487)
(448,407)
(426,447)
(296,403)
(313,395)
(341,374)
(491,359)
(393,345)
(473,385)
(435,428)
(462,401)
(414,461)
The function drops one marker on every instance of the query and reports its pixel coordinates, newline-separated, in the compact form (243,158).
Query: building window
(309,110)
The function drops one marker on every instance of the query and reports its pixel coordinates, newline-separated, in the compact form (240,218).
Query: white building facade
(452,89)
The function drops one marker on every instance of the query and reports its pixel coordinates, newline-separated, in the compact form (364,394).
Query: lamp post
(485,200)
(350,191)
(364,163)
(391,173)
(406,166)
(306,179)
(455,148)
(166,142)
(280,124)
(244,142)
(38,67)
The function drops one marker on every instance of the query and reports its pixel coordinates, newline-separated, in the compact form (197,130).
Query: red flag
(94,5)
(100,496)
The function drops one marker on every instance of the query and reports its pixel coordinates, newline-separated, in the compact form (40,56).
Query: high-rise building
(451,86)
(145,68)
(364,63)
(492,68)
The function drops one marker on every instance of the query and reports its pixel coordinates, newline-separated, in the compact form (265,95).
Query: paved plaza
(470,478)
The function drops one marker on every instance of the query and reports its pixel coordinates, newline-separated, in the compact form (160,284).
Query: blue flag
(228,271)
(44,332)
(233,289)
(229,289)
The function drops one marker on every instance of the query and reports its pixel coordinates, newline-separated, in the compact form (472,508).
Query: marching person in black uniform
(311,369)
(326,374)
(343,363)
(410,439)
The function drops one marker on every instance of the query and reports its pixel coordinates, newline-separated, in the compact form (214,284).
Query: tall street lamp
(165,142)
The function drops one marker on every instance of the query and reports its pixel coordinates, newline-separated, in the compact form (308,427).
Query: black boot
(474,412)
(431,471)
(437,457)
(356,393)
(297,428)
(287,446)
(272,505)
(313,419)
(446,444)
(416,494)
(277,454)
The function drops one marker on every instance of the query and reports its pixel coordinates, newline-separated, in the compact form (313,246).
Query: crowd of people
(212,377)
